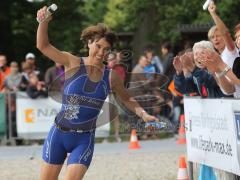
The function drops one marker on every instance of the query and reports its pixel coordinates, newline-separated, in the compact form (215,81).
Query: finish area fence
(24,118)
(213,134)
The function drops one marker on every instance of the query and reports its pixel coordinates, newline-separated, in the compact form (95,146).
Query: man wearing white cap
(30,58)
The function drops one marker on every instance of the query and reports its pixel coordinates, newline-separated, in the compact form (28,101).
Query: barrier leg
(11,140)
(190,170)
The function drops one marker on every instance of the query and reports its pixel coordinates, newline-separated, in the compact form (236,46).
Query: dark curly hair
(97,32)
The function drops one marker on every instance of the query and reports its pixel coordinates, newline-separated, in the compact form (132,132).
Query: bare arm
(43,43)
(232,78)
(214,64)
(226,86)
(118,87)
(221,27)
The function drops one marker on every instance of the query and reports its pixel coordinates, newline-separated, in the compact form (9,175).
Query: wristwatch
(223,73)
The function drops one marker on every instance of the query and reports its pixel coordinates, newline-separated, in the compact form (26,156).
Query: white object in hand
(50,10)
(206,4)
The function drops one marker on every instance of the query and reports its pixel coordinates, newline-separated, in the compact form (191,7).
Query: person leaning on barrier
(214,63)
(26,71)
(221,38)
(223,72)
(35,87)
(83,96)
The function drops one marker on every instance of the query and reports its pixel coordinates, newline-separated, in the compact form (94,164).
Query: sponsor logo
(32,115)
(29,115)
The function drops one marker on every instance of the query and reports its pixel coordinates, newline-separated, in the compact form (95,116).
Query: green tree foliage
(150,21)
(128,15)
(21,26)
(93,11)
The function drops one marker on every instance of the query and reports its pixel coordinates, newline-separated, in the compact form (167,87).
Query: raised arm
(221,27)
(118,87)
(43,43)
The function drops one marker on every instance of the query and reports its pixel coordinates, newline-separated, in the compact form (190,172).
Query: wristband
(223,73)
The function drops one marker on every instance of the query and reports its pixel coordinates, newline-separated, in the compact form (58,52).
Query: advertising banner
(213,132)
(36,116)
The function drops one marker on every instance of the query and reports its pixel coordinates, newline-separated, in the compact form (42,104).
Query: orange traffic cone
(134,141)
(182,171)
(181,131)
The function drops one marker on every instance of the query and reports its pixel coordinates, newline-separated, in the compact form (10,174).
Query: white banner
(213,133)
(36,116)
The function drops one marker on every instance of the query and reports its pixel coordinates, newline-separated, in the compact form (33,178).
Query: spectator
(167,60)
(13,80)
(117,65)
(35,87)
(234,73)
(154,60)
(27,70)
(215,64)
(221,38)
(4,70)
(30,58)
(55,75)
(137,75)
(237,35)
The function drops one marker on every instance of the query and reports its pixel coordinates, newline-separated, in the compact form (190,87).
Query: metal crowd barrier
(30,119)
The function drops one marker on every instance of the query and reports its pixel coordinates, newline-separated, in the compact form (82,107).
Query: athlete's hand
(147,117)
(41,14)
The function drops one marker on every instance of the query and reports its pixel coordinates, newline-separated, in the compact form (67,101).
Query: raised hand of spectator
(211,60)
(177,65)
(188,64)
(212,8)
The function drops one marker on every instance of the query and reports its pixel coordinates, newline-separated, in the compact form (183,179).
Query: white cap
(30,56)
(53,7)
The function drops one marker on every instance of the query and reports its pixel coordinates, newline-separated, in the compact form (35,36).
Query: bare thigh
(50,171)
(75,172)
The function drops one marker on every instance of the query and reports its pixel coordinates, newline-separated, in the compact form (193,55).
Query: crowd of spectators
(28,78)
(211,68)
